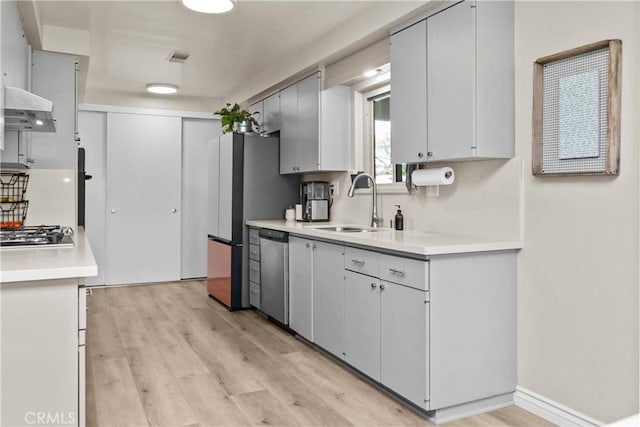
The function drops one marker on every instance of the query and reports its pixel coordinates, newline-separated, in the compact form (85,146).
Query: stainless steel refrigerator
(244,183)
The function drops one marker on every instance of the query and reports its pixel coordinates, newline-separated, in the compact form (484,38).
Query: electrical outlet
(334,189)
(432,190)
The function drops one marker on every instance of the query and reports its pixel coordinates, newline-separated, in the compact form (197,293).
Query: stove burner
(37,236)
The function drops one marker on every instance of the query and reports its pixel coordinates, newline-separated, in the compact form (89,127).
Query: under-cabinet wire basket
(13,185)
(13,214)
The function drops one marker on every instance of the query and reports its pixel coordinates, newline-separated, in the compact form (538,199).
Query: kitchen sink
(350,229)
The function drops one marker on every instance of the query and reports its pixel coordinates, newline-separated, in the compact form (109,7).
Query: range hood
(26,111)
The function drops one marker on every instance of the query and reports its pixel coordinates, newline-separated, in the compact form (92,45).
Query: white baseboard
(551,411)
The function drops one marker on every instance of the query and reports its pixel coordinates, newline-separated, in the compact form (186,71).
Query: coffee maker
(314,197)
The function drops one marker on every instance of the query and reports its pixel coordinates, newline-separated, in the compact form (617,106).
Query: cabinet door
(404,329)
(301,287)
(289,143)
(143,198)
(362,323)
(328,297)
(271,113)
(409,94)
(258,107)
(451,82)
(309,123)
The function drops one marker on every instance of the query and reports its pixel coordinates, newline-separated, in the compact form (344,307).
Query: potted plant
(233,119)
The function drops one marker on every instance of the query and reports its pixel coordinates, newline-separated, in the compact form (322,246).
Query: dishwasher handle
(278,236)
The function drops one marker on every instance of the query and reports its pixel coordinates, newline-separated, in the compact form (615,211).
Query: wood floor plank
(262,408)
(117,399)
(167,354)
(210,402)
(176,352)
(161,396)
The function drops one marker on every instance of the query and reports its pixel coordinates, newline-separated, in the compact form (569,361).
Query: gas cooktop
(43,235)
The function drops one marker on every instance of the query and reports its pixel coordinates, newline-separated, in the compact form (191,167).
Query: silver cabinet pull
(314,246)
(358,261)
(373,286)
(254,253)
(306,245)
(382,286)
(113,211)
(254,292)
(174,210)
(398,272)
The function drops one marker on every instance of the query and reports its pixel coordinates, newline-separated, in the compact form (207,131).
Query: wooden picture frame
(546,161)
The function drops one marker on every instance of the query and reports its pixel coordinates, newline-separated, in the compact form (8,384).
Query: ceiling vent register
(179,57)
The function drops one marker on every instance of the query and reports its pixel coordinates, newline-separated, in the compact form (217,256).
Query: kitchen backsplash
(52,197)
(484,200)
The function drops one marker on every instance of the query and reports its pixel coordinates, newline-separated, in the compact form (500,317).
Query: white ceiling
(235,54)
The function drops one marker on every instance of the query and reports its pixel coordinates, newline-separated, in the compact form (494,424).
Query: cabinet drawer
(254,252)
(254,271)
(362,261)
(254,294)
(254,236)
(405,271)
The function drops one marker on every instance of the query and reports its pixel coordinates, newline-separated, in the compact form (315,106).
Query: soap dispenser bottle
(399,220)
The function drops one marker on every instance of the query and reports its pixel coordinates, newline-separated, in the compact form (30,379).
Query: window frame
(368,96)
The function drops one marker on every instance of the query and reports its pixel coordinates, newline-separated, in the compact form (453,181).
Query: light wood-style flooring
(168,355)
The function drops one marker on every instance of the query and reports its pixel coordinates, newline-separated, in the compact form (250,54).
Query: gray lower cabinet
(328,297)
(301,287)
(316,292)
(362,323)
(439,332)
(404,341)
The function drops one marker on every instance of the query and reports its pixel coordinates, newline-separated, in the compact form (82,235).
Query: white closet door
(195,135)
(143,198)
(92,127)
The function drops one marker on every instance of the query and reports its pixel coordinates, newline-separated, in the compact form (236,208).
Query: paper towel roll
(440,176)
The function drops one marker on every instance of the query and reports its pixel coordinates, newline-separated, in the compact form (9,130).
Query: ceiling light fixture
(371,73)
(209,6)
(162,88)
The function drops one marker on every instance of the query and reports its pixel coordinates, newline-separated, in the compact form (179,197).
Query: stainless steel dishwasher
(274,274)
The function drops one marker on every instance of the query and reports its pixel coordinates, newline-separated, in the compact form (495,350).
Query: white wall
(578,271)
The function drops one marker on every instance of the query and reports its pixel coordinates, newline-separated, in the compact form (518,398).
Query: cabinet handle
(254,269)
(358,261)
(429,154)
(254,292)
(306,245)
(314,246)
(113,211)
(174,210)
(373,286)
(382,287)
(399,272)
(254,253)
(420,155)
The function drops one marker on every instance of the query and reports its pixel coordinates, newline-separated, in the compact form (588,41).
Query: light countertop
(409,241)
(42,263)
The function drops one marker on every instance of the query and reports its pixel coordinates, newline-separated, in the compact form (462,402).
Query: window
(384,171)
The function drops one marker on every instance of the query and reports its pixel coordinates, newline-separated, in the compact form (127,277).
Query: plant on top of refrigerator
(234,119)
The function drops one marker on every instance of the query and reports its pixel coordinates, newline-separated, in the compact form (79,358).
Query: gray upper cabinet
(314,127)
(452,82)
(409,97)
(289,146)
(271,113)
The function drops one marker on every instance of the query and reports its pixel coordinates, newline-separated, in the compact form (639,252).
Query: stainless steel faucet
(374,193)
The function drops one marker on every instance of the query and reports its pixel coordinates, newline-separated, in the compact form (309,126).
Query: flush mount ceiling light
(162,88)
(371,73)
(209,6)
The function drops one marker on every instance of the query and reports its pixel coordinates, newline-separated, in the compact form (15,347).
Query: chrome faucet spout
(374,193)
